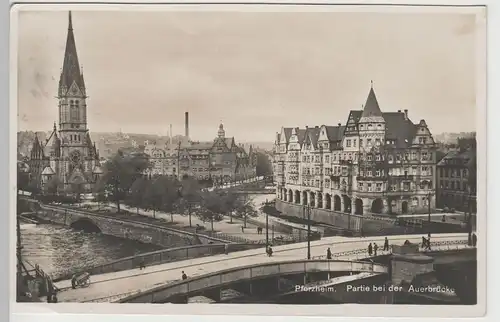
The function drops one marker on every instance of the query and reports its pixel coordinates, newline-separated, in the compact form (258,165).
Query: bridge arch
(347,203)
(290,195)
(85,225)
(305,199)
(358,207)
(328,200)
(377,206)
(320,200)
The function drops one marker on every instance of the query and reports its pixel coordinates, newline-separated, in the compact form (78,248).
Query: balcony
(371,178)
(402,177)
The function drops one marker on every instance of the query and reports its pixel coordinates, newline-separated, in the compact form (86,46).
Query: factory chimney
(186,125)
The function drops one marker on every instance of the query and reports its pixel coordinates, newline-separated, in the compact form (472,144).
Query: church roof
(37,152)
(71,67)
(48,171)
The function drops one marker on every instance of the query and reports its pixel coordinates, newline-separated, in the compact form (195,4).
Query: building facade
(456,180)
(68,155)
(377,162)
(220,160)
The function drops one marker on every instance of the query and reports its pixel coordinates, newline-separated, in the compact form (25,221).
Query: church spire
(71,68)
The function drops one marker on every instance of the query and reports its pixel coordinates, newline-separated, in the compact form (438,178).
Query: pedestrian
(242,229)
(54,297)
(375,247)
(474,240)
(269,251)
(386,244)
(328,253)
(370,249)
(424,242)
(429,241)
(226,249)
(142,264)
(184,276)
(73,281)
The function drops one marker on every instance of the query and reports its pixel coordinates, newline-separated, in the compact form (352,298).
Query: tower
(78,154)
(221,133)
(371,123)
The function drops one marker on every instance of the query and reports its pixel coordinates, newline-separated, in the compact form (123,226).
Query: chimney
(399,111)
(170,139)
(406,114)
(307,127)
(339,124)
(186,125)
(316,127)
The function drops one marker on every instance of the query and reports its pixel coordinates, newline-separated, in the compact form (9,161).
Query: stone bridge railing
(362,253)
(159,257)
(162,293)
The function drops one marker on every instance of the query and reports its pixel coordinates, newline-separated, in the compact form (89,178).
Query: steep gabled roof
(371,108)
(399,128)
(335,133)
(301,134)
(288,133)
(71,67)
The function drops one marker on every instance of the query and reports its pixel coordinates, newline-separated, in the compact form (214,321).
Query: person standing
(328,253)
(370,249)
(226,249)
(375,247)
(386,244)
(184,276)
(428,242)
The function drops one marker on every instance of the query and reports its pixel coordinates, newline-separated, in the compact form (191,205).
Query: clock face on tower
(75,157)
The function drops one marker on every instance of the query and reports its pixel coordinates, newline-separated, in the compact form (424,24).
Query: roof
(335,133)
(200,146)
(71,67)
(466,158)
(48,171)
(399,128)
(371,108)
(301,134)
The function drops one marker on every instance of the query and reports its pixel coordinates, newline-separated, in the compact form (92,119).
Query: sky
(253,71)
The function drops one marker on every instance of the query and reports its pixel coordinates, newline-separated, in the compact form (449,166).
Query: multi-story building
(456,180)
(220,160)
(377,162)
(68,154)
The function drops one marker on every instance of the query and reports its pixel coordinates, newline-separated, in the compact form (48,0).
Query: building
(219,160)
(68,154)
(376,162)
(456,180)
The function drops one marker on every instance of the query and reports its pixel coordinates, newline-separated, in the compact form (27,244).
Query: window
(414,202)
(378,186)
(369,142)
(348,143)
(398,157)
(327,158)
(360,186)
(327,183)
(391,158)
(377,142)
(406,186)
(414,155)
(369,157)
(360,143)
(379,126)
(424,156)
(377,157)
(361,128)
(377,173)
(369,186)
(369,172)
(393,187)
(369,126)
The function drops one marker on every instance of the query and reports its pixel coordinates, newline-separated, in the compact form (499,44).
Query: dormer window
(369,126)
(361,126)
(379,126)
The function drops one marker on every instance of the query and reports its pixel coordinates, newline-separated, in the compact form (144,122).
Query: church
(68,155)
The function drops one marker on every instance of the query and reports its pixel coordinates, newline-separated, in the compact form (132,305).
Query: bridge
(117,286)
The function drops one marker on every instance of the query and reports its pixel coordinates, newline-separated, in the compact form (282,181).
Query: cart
(82,280)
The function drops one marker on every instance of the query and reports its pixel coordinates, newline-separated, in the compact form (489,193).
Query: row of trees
(123,183)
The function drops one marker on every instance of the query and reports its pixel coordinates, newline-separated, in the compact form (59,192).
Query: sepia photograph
(249,155)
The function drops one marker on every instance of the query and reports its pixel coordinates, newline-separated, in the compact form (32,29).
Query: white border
(61,311)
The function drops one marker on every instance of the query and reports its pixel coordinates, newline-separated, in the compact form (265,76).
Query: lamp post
(308,232)
(267,227)
(429,208)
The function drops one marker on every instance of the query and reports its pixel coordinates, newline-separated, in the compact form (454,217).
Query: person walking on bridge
(184,276)
(328,253)
(375,248)
(370,249)
(386,244)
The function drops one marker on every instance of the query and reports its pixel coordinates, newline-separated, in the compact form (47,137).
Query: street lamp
(267,227)
(307,210)
(429,208)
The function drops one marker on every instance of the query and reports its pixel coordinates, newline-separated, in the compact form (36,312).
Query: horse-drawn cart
(82,280)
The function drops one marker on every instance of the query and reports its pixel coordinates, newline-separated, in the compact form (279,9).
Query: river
(58,249)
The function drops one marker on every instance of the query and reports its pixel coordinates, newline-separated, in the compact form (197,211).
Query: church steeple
(71,67)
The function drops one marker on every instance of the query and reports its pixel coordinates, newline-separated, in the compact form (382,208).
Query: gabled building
(220,160)
(376,162)
(68,155)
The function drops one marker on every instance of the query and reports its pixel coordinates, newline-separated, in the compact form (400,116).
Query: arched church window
(73,112)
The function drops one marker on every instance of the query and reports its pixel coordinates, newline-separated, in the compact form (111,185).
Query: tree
(264,165)
(99,191)
(244,207)
(210,208)
(52,186)
(120,173)
(138,193)
(161,194)
(189,197)
(23,177)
